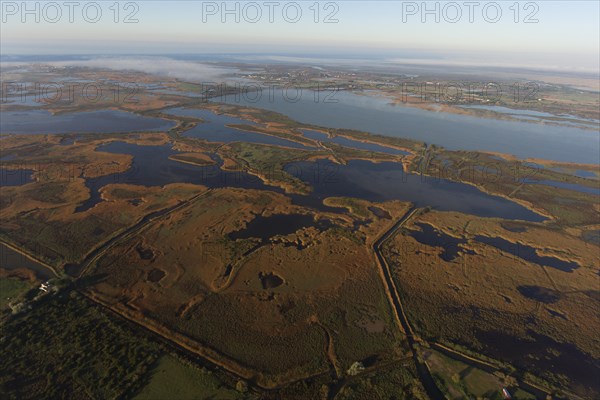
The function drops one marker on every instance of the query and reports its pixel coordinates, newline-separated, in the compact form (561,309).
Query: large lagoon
(375,114)
(101,121)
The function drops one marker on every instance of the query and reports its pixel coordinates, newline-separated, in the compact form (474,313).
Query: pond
(385,181)
(265,228)
(215,129)
(11,259)
(527,253)
(270,280)
(430,236)
(541,294)
(15,177)
(151,166)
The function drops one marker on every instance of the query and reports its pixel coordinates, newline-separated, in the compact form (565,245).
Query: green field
(459,380)
(11,289)
(170,378)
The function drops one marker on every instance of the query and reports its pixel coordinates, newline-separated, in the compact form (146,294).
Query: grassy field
(12,289)
(171,378)
(268,161)
(535,317)
(331,295)
(458,380)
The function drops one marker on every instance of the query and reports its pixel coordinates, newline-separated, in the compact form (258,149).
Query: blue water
(387,181)
(432,237)
(456,132)
(151,166)
(103,121)
(214,129)
(585,174)
(15,177)
(527,253)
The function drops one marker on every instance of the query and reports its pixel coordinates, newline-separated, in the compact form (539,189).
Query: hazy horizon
(547,35)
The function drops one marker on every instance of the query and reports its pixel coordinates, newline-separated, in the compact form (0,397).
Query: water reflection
(385,181)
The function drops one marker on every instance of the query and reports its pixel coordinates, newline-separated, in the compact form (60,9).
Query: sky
(562,35)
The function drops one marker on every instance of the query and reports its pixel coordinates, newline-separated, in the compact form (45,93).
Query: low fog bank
(161,66)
